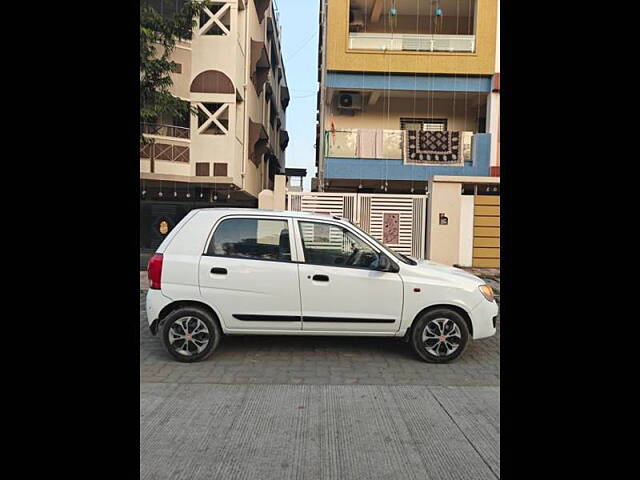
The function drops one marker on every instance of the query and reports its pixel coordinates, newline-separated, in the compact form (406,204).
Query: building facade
(233,143)
(409,89)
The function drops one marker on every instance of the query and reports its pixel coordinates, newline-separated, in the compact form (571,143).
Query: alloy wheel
(441,337)
(189,336)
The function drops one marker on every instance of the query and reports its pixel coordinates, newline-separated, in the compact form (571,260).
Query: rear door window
(252,238)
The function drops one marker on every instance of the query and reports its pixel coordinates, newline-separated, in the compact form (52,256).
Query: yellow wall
(486,238)
(482,62)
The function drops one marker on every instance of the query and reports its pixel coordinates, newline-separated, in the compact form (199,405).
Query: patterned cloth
(432,148)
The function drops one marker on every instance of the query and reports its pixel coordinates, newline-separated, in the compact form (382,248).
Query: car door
(248,274)
(340,286)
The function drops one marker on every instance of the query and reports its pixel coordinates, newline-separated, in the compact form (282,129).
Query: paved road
(319,432)
(318,407)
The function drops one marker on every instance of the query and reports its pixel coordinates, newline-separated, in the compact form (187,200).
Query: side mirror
(385,264)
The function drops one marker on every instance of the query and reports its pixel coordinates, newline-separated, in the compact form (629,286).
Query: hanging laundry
(432,148)
(366,146)
(379,144)
(466,138)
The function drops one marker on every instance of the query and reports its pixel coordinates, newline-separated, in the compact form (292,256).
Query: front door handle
(321,278)
(219,271)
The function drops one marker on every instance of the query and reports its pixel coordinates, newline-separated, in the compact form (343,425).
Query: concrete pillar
(279,192)
(493,124)
(265,200)
(466,230)
(443,222)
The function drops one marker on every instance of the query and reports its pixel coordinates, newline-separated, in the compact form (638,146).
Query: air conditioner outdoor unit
(350,101)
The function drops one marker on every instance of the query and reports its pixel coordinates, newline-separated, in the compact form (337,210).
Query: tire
(441,323)
(196,320)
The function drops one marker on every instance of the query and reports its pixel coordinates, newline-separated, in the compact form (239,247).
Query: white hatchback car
(262,272)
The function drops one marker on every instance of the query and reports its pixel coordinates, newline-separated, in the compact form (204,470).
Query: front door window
(332,245)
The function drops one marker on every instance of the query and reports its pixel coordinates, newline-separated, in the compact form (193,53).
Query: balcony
(412,42)
(161,130)
(164,151)
(167,142)
(344,144)
(343,160)
(413,25)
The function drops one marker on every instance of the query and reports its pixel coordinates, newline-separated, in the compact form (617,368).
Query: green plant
(158,37)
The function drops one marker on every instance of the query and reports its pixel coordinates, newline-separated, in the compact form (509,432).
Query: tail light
(154,271)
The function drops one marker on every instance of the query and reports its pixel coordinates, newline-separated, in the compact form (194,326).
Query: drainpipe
(323,77)
(245,88)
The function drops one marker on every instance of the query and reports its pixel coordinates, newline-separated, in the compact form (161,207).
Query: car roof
(262,211)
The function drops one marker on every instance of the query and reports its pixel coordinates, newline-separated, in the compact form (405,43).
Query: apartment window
(273,113)
(436,26)
(176,68)
(202,169)
(220,169)
(424,124)
(254,238)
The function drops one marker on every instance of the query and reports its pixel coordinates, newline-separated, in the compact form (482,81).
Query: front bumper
(483,319)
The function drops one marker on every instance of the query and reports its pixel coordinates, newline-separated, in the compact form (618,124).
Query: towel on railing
(432,148)
(366,145)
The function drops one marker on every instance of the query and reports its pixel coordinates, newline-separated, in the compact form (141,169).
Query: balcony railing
(344,144)
(412,42)
(165,130)
(163,151)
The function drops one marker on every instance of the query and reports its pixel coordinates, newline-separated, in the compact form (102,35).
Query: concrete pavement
(318,407)
(319,432)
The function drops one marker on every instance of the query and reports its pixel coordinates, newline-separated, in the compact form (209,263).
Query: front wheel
(190,334)
(440,335)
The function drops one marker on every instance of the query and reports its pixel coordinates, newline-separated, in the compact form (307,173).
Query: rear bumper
(483,319)
(153,327)
(154,305)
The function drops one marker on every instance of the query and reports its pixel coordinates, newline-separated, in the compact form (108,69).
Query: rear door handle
(219,271)
(321,278)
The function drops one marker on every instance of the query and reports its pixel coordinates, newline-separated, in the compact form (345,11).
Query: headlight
(487,292)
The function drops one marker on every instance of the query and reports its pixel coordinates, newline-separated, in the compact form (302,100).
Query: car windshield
(399,256)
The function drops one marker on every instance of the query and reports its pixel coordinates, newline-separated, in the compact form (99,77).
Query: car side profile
(261,272)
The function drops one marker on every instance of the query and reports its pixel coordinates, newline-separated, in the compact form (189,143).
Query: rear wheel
(190,334)
(440,336)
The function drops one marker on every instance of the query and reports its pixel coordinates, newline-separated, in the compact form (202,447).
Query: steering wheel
(352,257)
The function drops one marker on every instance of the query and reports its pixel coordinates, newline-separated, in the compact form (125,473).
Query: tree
(159,32)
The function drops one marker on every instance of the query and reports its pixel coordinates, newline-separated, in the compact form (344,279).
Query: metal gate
(395,220)
(486,231)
